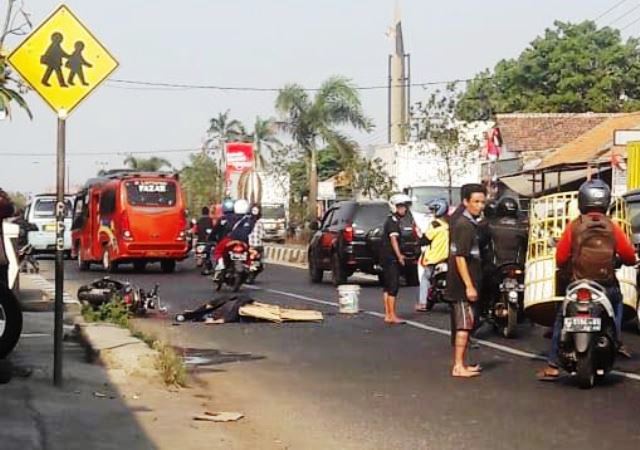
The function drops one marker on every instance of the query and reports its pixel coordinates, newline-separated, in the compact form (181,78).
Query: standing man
(464,279)
(392,258)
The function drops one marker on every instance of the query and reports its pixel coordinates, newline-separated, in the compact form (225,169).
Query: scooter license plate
(582,324)
(238,257)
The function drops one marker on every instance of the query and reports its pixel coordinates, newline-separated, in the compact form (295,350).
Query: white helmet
(399,199)
(241,207)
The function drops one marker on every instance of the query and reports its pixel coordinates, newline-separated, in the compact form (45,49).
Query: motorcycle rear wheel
(509,328)
(585,372)
(10,321)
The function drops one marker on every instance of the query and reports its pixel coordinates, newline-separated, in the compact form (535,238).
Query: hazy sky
(263,44)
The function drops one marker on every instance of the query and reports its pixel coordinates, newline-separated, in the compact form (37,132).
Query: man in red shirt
(594,199)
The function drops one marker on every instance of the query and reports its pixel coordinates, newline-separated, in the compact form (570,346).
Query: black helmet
(508,207)
(594,196)
(490,209)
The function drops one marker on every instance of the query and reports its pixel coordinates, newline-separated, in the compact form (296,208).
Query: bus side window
(108,202)
(79,213)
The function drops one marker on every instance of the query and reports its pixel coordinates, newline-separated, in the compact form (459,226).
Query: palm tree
(8,95)
(222,129)
(153,164)
(264,137)
(313,121)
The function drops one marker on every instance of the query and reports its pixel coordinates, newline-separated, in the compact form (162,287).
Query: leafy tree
(201,181)
(372,179)
(12,89)
(223,129)
(153,164)
(572,68)
(19,200)
(443,136)
(312,121)
(264,137)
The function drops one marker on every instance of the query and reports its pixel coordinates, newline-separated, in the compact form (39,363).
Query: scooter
(236,266)
(507,309)
(588,341)
(438,285)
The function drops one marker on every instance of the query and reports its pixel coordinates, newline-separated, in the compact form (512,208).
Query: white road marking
(421,326)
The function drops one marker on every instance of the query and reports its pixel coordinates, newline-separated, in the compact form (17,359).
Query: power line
(624,15)
(147,85)
(107,153)
(609,10)
(630,24)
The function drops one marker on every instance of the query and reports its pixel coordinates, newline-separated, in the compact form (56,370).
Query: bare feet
(464,372)
(474,368)
(394,320)
(420,308)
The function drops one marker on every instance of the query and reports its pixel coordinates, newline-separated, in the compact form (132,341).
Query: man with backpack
(588,249)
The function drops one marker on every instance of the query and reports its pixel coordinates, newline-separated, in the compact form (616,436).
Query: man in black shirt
(392,258)
(464,279)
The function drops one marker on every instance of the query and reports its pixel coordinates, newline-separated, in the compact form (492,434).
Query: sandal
(548,374)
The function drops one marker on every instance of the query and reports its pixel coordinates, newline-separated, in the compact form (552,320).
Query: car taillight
(583,295)
(347,233)
(126,227)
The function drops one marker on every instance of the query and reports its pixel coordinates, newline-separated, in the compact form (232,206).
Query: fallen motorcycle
(136,299)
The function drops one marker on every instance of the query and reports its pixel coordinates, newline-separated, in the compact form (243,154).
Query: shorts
(462,316)
(391,277)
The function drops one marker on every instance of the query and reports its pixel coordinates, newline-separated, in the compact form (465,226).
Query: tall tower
(399,80)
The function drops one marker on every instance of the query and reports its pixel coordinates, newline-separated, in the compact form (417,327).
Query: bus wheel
(168,266)
(107,264)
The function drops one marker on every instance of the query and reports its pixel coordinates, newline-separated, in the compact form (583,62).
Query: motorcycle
(507,309)
(438,283)
(236,266)
(137,300)
(588,341)
(256,267)
(26,259)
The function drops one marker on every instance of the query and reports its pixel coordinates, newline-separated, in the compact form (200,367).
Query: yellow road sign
(62,61)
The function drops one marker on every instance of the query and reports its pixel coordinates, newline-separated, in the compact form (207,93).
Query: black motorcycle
(236,266)
(588,341)
(10,320)
(507,307)
(438,285)
(256,266)
(136,299)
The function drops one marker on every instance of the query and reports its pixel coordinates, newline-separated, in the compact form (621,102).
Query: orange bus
(130,217)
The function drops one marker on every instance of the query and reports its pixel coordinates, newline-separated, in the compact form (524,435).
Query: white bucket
(348,298)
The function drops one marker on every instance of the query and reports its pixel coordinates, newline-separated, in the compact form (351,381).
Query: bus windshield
(151,193)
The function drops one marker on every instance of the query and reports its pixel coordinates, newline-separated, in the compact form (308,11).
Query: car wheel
(337,270)
(10,321)
(168,266)
(315,273)
(82,264)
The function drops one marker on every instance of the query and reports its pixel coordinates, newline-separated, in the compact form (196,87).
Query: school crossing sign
(62,61)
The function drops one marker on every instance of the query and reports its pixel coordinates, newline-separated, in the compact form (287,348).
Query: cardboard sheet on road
(274,313)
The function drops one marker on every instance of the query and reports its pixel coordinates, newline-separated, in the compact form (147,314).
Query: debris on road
(99,395)
(237,308)
(219,416)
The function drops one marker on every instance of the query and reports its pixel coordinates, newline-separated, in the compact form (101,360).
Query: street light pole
(59,270)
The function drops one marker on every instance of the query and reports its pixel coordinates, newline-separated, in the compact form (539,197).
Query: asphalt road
(354,382)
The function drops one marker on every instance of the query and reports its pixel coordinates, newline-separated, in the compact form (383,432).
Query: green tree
(264,136)
(444,136)
(19,199)
(572,68)
(223,129)
(200,179)
(153,164)
(12,89)
(372,179)
(312,121)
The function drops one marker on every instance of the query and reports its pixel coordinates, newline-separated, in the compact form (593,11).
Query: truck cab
(274,218)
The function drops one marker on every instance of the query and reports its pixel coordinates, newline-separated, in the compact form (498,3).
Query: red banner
(239,157)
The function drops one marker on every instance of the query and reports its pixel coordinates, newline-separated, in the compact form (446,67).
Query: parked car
(41,211)
(348,240)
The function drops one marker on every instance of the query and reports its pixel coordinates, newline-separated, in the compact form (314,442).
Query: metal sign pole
(60,216)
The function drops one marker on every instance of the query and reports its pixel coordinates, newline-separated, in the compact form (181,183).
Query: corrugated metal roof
(592,145)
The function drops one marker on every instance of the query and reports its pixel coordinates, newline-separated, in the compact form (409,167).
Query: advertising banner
(239,158)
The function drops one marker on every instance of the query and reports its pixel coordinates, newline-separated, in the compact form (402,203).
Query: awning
(522,183)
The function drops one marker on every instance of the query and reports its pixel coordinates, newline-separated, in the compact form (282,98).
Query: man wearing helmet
(436,241)
(235,225)
(585,260)
(391,255)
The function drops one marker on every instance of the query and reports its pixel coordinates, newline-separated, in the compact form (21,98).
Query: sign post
(63,62)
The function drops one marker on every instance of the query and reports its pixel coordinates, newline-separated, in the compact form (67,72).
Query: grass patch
(114,312)
(170,365)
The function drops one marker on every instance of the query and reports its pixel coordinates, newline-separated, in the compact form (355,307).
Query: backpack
(594,248)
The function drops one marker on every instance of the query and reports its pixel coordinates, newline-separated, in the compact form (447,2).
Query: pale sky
(258,43)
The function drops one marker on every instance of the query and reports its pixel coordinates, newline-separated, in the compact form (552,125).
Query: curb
(48,290)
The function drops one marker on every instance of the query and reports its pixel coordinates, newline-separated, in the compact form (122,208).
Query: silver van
(41,212)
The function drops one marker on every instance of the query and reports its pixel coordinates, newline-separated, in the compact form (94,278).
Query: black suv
(349,237)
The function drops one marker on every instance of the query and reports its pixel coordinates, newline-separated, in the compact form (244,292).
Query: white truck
(275,206)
